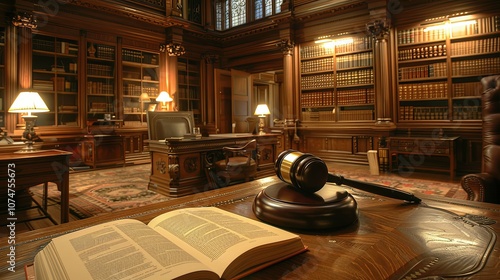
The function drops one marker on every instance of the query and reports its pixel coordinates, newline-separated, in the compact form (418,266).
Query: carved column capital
(285,46)
(378,29)
(173,49)
(24,20)
(210,58)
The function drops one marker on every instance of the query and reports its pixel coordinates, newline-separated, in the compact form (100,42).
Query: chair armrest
(480,187)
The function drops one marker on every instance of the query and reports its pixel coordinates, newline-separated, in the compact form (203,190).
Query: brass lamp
(29,102)
(164,97)
(262,110)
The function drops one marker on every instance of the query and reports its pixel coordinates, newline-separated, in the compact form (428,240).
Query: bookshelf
(100,80)
(140,74)
(55,78)
(189,93)
(337,80)
(440,67)
(3,105)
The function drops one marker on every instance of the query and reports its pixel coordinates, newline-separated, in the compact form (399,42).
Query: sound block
(284,206)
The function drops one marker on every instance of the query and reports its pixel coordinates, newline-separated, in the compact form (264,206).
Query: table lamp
(164,97)
(29,102)
(262,110)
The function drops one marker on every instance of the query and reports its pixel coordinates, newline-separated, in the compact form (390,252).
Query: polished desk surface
(374,248)
(38,167)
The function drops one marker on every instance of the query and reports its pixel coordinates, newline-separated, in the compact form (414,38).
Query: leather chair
(238,164)
(485,186)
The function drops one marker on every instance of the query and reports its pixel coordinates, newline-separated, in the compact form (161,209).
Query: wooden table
(31,169)
(379,246)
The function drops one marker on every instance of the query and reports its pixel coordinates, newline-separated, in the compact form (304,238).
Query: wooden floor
(54,210)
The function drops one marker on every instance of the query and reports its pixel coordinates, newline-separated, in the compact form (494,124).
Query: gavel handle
(373,188)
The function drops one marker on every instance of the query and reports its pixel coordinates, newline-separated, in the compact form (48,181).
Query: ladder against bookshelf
(100,80)
(55,78)
(140,74)
(337,80)
(440,67)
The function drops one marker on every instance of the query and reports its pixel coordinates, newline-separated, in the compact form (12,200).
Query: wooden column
(287,48)
(379,30)
(208,102)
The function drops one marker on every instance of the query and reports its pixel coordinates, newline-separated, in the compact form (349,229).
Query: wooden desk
(379,246)
(31,169)
(424,153)
(178,167)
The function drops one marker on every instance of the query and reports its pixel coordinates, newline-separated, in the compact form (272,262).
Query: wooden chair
(238,164)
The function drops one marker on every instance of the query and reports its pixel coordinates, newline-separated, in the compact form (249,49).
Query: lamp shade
(145,97)
(28,102)
(262,110)
(164,97)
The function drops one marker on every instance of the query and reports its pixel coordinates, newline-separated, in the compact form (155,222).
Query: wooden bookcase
(189,92)
(337,80)
(440,66)
(140,74)
(3,107)
(100,80)
(55,78)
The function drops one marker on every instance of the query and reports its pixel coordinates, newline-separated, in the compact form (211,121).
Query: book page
(217,237)
(123,249)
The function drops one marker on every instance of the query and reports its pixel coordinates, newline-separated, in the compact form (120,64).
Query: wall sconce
(262,110)
(29,102)
(164,97)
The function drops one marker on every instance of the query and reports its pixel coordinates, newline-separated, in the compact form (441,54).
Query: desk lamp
(29,102)
(262,110)
(164,97)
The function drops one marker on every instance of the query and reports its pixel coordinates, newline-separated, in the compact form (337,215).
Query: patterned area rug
(96,192)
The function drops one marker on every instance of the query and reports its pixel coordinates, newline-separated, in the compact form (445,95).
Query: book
(190,243)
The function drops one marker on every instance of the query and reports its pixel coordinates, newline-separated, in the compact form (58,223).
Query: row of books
(132,55)
(467,112)
(317,99)
(356,115)
(423,113)
(318,116)
(323,64)
(99,70)
(99,88)
(68,108)
(479,66)
(440,31)
(128,110)
(65,47)
(362,76)
(100,107)
(487,45)
(356,96)
(363,59)
(467,89)
(188,80)
(481,26)
(423,91)
(151,91)
(357,44)
(317,81)
(105,52)
(432,70)
(132,89)
(420,35)
(316,50)
(422,52)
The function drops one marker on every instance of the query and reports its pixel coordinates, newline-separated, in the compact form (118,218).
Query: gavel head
(304,172)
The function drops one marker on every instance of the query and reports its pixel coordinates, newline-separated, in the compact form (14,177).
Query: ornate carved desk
(391,240)
(178,167)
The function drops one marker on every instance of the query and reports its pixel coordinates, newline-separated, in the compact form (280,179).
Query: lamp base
(261,125)
(29,148)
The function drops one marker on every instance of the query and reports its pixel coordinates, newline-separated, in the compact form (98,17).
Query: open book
(191,243)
